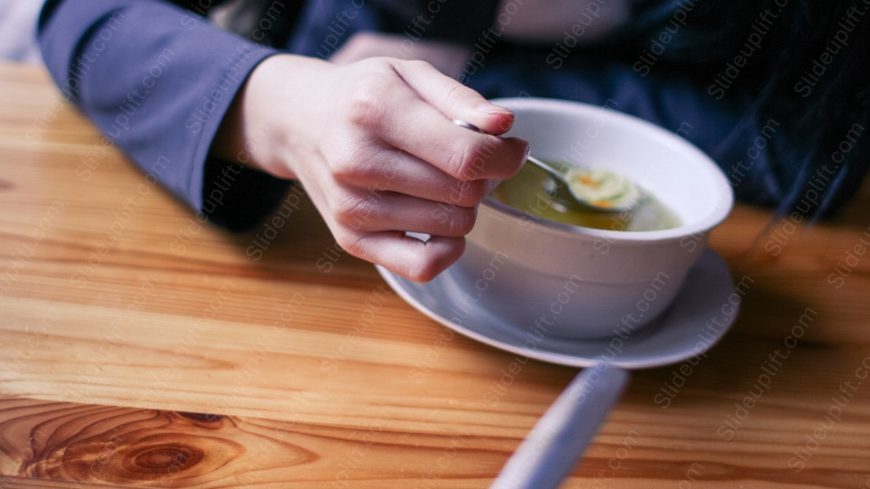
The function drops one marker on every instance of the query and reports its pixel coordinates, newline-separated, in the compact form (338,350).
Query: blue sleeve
(157,79)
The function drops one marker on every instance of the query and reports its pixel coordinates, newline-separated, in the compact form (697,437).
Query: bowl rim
(720,181)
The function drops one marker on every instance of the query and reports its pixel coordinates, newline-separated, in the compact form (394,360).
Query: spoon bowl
(596,189)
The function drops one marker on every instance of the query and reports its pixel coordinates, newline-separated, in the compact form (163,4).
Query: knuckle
(519,159)
(366,107)
(417,64)
(351,243)
(378,64)
(467,161)
(450,100)
(350,209)
(468,192)
(425,269)
(462,221)
(350,164)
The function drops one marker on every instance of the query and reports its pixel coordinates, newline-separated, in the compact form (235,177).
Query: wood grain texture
(120,312)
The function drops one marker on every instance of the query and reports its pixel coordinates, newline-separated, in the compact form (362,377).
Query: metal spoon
(628,198)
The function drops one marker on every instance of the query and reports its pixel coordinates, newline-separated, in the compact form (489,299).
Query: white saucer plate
(701,314)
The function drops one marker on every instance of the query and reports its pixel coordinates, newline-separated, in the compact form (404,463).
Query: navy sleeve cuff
(157,80)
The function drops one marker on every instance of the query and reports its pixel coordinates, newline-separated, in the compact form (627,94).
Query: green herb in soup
(534,192)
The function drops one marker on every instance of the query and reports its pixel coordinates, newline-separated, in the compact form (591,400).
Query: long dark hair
(811,73)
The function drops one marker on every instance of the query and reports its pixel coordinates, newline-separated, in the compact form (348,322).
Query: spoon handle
(560,437)
(558,175)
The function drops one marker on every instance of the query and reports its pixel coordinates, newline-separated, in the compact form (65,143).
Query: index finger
(453,99)
(418,128)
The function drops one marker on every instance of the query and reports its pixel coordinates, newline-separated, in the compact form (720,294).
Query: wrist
(267,119)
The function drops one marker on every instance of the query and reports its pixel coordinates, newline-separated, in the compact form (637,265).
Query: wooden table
(142,347)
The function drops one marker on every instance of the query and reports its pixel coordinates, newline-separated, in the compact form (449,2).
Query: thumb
(453,99)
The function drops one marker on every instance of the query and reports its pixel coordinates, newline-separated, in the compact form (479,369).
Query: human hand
(373,144)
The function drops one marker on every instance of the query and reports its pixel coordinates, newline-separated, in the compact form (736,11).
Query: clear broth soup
(531,190)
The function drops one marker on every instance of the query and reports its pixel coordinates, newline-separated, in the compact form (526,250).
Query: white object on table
(552,448)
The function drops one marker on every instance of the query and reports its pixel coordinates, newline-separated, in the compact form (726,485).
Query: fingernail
(491,108)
